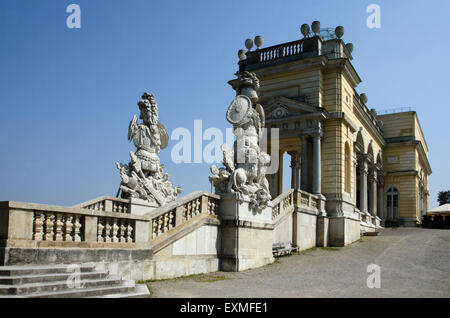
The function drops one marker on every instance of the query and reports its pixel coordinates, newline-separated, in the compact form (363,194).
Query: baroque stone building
(352,171)
(362,162)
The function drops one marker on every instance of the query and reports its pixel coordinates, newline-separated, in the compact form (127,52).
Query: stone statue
(144,176)
(246,165)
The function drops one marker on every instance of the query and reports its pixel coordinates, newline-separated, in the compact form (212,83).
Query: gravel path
(414,263)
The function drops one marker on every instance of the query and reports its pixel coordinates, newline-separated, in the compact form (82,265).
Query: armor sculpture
(244,171)
(144,176)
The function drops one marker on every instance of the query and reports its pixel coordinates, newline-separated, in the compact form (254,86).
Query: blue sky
(67,95)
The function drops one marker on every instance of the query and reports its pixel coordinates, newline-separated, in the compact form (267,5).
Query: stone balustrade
(283,204)
(272,53)
(106,203)
(296,199)
(182,210)
(40,225)
(103,222)
(308,201)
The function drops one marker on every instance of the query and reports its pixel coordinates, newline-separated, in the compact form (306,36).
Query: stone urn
(305,30)
(258,41)
(339,31)
(315,26)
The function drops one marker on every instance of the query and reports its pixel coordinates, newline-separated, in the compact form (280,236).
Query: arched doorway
(392,212)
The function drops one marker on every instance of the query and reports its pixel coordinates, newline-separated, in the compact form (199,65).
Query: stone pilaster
(295,166)
(317,169)
(355,192)
(304,164)
(380,191)
(363,169)
(373,192)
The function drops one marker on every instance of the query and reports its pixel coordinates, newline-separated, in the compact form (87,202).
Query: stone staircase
(65,281)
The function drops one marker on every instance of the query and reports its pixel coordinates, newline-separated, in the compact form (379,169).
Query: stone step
(141,291)
(125,287)
(53,277)
(42,269)
(50,281)
(56,286)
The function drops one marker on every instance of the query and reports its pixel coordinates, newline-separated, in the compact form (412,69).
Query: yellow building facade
(362,163)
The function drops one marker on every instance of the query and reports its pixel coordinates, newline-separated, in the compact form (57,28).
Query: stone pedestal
(343,230)
(247,236)
(141,207)
(322,231)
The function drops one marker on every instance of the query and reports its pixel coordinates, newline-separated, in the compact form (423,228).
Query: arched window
(392,204)
(347,168)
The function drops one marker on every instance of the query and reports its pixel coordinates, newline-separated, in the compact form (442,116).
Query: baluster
(38,226)
(171,219)
(107,231)
(67,227)
(193,208)
(166,222)
(100,228)
(198,209)
(48,226)
(77,228)
(115,230)
(214,207)
(209,206)
(188,213)
(129,232)
(58,227)
(154,228)
(122,231)
(160,225)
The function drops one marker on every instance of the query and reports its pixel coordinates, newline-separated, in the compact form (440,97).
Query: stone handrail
(35,225)
(308,200)
(274,52)
(174,214)
(106,203)
(283,204)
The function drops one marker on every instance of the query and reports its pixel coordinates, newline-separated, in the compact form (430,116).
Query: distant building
(369,163)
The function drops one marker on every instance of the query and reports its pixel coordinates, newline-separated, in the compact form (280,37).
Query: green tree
(444,197)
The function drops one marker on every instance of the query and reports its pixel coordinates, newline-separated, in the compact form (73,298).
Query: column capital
(373,176)
(317,135)
(363,167)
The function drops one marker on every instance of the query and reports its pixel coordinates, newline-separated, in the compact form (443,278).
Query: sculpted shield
(163,135)
(238,109)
